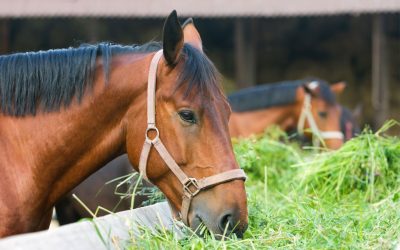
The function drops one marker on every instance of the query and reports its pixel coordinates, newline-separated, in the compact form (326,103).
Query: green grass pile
(301,199)
(269,158)
(369,163)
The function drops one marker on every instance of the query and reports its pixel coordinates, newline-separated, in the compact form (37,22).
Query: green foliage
(369,163)
(269,157)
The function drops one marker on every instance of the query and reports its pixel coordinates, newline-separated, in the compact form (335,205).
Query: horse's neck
(244,124)
(54,152)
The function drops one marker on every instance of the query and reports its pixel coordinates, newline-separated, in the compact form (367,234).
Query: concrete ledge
(115,229)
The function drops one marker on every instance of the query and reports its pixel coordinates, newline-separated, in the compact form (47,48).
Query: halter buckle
(191,182)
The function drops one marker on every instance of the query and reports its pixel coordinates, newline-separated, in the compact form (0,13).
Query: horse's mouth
(195,224)
(200,228)
(198,225)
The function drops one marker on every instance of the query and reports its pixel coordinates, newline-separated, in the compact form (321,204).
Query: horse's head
(192,120)
(320,113)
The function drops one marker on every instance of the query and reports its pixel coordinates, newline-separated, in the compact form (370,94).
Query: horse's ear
(311,88)
(191,35)
(172,39)
(338,87)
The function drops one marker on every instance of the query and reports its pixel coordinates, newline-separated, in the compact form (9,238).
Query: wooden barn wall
(335,48)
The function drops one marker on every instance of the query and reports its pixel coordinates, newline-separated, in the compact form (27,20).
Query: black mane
(275,94)
(48,80)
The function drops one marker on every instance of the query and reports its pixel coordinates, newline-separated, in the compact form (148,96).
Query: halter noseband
(191,186)
(306,114)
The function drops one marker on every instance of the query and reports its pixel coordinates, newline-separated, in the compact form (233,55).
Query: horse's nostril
(226,223)
(229,223)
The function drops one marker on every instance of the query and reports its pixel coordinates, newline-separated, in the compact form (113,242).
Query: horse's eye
(323,114)
(187,116)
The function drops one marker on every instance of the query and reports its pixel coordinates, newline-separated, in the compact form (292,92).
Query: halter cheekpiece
(306,114)
(191,186)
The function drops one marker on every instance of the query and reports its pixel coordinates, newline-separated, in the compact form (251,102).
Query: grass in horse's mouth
(201,228)
(203,232)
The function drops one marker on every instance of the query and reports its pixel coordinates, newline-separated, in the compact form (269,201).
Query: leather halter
(306,114)
(191,186)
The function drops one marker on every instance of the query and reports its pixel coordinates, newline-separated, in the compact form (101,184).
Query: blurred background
(251,42)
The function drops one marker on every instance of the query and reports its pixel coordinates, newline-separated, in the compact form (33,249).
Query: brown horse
(294,105)
(95,193)
(65,113)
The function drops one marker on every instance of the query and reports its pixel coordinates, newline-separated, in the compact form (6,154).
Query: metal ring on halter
(152,128)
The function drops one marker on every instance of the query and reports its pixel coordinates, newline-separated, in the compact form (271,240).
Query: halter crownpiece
(191,186)
(306,114)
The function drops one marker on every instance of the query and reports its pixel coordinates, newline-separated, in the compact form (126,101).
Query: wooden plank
(380,83)
(245,52)
(114,229)
(4,36)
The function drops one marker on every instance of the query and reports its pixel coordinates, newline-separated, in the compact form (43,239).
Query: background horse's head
(324,112)
(192,119)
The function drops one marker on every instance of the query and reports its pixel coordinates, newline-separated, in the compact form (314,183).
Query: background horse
(66,113)
(95,193)
(284,104)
